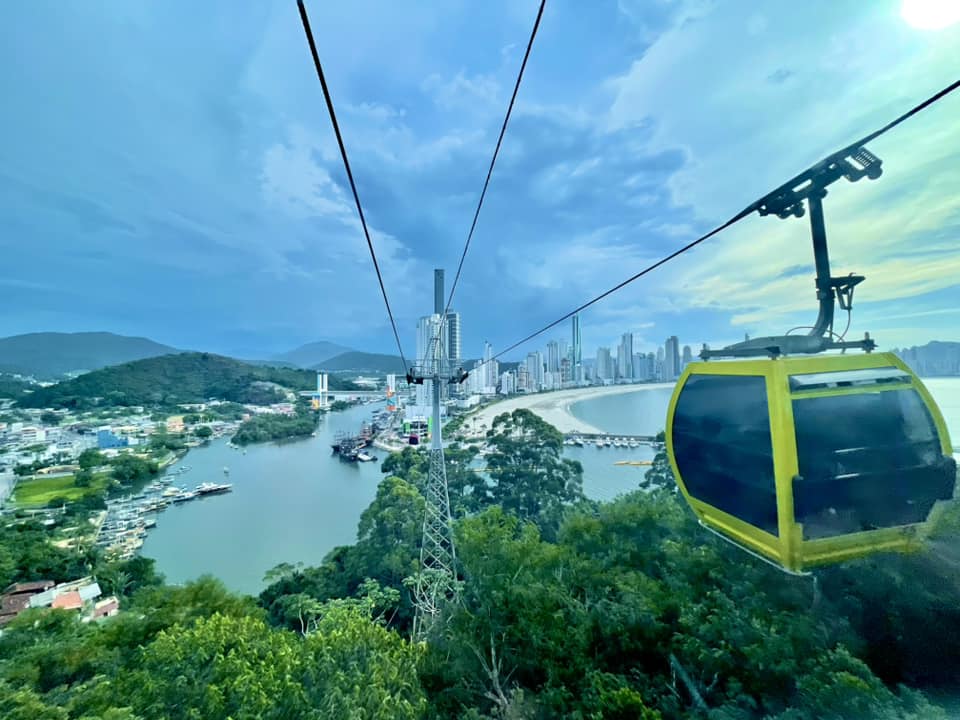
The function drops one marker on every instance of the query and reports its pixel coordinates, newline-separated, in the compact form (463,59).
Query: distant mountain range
(52,356)
(311,354)
(935,359)
(355,361)
(49,356)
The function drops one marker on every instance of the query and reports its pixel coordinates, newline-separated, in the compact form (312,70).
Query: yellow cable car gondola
(807,461)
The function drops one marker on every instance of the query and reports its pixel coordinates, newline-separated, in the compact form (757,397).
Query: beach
(554,407)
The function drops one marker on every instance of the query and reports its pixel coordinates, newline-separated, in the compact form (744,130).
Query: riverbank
(553,407)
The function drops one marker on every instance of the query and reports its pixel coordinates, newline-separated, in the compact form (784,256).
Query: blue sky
(168,169)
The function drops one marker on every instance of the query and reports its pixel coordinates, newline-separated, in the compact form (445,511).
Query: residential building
(605,368)
(452,331)
(671,360)
(576,352)
(625,357)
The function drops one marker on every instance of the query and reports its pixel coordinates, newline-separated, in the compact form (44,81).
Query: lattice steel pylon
(436,580)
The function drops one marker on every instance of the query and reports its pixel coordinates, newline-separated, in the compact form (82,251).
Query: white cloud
(462,91)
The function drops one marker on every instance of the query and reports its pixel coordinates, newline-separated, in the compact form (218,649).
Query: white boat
(363,457)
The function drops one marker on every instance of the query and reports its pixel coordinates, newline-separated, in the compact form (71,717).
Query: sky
(169,170)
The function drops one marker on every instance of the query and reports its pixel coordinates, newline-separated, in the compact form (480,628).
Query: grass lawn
(41,490)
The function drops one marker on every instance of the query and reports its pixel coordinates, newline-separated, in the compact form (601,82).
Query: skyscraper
(453,346)
(553,356)
(490,368)
(576,356)
(535,371)
(671,358)
(605,368)
(687,357)
(429,351)
(625,356)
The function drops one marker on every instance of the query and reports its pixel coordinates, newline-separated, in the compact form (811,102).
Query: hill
(10,387)
(363,362)
(173,379)
(53,355)
(935,359)
(311,354)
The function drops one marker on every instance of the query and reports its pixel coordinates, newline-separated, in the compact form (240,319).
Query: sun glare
(930,14)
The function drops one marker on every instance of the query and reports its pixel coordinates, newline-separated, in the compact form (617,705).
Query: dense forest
(173,379)
(567,608)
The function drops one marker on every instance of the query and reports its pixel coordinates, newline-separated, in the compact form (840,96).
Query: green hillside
(49,355)
(172,379)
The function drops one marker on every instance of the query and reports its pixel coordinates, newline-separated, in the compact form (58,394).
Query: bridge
(347,394)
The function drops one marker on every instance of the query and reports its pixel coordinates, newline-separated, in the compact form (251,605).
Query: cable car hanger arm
(853,163)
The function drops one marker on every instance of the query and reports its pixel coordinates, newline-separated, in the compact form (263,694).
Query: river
(294,502)
(291,502)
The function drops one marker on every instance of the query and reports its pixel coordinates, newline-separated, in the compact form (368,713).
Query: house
(16,598)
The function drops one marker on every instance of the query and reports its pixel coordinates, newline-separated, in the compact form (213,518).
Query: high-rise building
(553,356)
(687,357)
(452,331)
(491,369)
(637,366)
(671,358)
(576,352)
(534,371)
(625,356)
(508,384)
(429,352)
(564,349)
(605,368)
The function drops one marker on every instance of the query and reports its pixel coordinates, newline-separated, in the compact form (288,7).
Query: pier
(609,437)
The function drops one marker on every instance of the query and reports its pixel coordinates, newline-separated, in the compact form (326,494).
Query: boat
(226,470)
(364,457)
(185,496)
(209,488)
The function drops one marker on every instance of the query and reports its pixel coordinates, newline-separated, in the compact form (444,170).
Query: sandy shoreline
(554,407)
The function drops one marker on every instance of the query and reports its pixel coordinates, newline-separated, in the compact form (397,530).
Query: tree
(128,469)
(530,477)
(83,478)
(91,458)
(302,608)
(203,432)
(48,417)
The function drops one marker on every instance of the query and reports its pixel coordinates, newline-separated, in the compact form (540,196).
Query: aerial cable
(346,165)
(493,161)
(735,219)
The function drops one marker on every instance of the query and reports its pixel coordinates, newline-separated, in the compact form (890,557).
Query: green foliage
(338,405)
(10,387)
(199,652)
(271,426)
(127,469)
(26,554)
(530,477)
(91,458)
(203,432)
(83,478)
(48,417)
(170,380)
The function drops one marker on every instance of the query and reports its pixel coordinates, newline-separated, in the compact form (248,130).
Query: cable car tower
(436,580)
